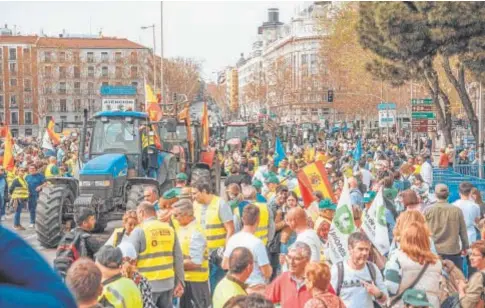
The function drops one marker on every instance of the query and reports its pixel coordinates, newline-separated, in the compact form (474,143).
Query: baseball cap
(327,204)
(181,177)
(369,196)
(257,183)
(416,298)
(109,256)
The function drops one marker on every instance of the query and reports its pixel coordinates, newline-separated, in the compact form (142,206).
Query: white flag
(341,228)
(46,142)
(374,224)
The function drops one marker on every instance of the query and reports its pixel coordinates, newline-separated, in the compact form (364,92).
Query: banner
(46,142)
(315,177)
(374,224)
(341,228)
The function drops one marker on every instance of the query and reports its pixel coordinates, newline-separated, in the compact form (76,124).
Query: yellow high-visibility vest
(21,192)
(146,141)
(118,233)
(214,230)
(225,290)
(121,292)
(48,171)
(263,226)
(156,262)
(184,235)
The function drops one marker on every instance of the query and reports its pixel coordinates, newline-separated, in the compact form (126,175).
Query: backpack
(71,247)
(340,277)
(449,297)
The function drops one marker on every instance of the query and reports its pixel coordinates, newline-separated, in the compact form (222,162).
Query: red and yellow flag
(205,126)
(315,178)
(55,139)
(154,112)
(8,157)
(305,194)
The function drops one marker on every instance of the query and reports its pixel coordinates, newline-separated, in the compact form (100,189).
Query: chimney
(273,15)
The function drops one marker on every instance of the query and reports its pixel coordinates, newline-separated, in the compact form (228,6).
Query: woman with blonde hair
(403,221)
(130,221)
(317,280)
(413,265)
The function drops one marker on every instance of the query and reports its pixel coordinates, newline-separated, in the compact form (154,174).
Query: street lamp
(153,53)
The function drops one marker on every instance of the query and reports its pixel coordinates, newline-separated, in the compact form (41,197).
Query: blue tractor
(118,160)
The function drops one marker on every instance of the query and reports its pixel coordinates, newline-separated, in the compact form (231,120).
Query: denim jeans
(18,211)
(32,208)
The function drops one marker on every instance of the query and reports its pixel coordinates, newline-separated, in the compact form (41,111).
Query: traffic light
(330,96)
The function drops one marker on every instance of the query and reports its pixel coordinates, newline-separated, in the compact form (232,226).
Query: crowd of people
(259,245)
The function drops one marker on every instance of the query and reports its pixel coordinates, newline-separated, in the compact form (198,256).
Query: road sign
(387,112)
(118,90)
(423,115)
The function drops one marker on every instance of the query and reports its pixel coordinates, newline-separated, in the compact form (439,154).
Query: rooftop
(74,43)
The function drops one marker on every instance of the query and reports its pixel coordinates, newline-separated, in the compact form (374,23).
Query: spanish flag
(305,193)
(149,96)
(205,126)
(315,178)
(8,157)
(55,139)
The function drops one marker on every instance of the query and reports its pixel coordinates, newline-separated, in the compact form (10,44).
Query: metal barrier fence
(467,169)
(453,179)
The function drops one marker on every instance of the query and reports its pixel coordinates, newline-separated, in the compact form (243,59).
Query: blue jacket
(27,280)
(34,181)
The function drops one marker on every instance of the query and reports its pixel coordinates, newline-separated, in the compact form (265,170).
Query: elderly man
(150,194)
(196,256)
(161,262)
(289,289)
(450,239)
(356,196)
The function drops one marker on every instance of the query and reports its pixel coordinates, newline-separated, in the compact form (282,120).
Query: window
(77,104)
(104,71)
(47,56)
(62,56)
(134,72)
(28,117)
(75,56)
(62,72)
(90,88)
(104,56)
(26,54)
(12,54)
(28,132)
(13,82)
(26,68)
(12,68)
(304,59)
(1,101)
(90,57)
(27,85)
(135,84)
(63,105)
(47,89)
(48,71)
(77,72)
(62,88)
(91,71)
(27,101)
(14,117)
(118,56)
(133,57)
(77,87)
(119,72)
(50,106)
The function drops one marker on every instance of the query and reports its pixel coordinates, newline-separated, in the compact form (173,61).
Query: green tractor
(118,161)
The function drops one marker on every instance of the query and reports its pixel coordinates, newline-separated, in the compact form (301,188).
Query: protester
(471,211)
(403,221)
(357,281)
(471,293)
(245,238)
(150,194)
(317,281)
(196,256)
(3,193)
(118,291)
(297,221)
(289,289)
(84,281)
(166,273)
(120,235)
(451,239)
(248,301)
(356,196)
(19,192)
(35,181)
(240,267)
(413,264)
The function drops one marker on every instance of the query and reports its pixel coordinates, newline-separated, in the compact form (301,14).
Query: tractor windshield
(115,135)
(239,132)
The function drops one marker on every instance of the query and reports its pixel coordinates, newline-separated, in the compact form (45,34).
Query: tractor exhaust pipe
(82,143)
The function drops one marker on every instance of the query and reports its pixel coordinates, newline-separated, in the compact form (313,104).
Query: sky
(214,32)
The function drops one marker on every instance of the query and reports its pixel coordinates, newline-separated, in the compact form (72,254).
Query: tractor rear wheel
(51,222)
(135,195)
(92,202)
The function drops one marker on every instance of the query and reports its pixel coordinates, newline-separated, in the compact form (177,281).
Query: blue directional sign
(118,90)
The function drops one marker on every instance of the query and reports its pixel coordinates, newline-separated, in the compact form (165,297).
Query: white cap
(128,250)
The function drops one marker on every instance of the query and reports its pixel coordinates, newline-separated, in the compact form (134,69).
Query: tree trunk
(459,85)
(443,112)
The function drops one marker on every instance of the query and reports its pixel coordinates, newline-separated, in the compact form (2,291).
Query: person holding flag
(279,152)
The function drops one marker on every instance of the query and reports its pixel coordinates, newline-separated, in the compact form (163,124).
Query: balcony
(62,91)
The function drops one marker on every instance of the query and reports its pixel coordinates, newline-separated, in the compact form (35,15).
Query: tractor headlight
(102,183)
(85,183)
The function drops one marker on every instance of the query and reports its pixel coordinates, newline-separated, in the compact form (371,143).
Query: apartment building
(18,84)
